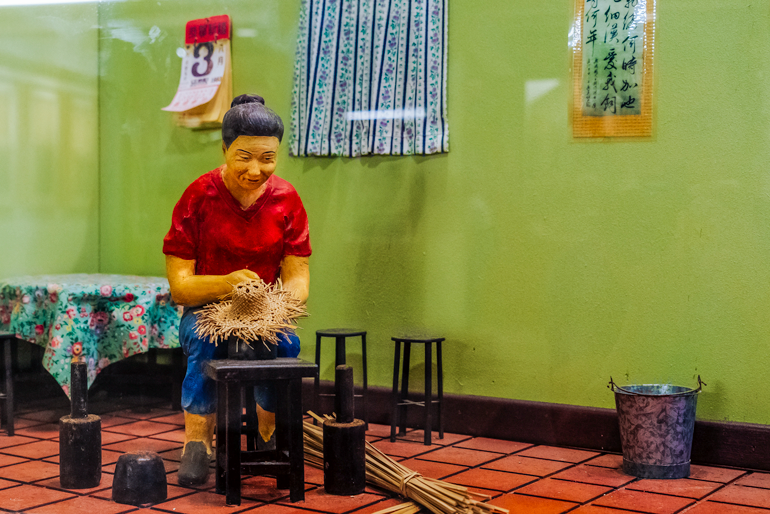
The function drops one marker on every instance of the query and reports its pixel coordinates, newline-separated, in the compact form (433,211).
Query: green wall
(49,178)
(548,264)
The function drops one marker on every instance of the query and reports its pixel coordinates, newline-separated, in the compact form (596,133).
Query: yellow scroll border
(639,125)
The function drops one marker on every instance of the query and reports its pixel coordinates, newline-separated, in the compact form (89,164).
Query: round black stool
(400,401)
(340,335)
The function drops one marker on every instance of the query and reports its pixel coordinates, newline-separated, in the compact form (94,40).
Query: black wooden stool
(340,335)
(286,461)
(400,400)
(6,397)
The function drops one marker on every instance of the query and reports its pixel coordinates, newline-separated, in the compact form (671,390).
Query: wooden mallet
(80,433)
(344,441)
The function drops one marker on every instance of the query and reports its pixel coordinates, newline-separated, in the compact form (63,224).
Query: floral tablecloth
(110,316)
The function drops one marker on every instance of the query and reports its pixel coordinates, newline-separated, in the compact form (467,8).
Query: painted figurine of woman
(234,223)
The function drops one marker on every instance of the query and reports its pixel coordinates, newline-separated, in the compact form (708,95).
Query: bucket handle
(613,386)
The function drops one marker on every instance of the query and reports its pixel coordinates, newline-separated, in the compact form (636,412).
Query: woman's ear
(224,147)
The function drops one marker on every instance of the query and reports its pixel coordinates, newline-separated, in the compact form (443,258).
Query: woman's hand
(236,277)
(193,290)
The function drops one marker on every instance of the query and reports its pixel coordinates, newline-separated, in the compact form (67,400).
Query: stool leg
(405,386)
(282,428)
(233,443)
(365,394)
(221,443)
(440,377)
(8,386)
(394,394)
(296,448)
(428,392)
(317,380)
(339,350)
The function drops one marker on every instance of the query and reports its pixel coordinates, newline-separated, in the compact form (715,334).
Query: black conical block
(140,479)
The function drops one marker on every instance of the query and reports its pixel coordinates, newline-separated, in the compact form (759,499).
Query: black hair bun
(247,99)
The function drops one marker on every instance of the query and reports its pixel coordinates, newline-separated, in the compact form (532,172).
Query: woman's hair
(248,116)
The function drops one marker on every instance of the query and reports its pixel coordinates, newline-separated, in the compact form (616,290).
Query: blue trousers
(199,393)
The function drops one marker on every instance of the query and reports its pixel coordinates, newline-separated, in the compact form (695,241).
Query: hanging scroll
(613,43)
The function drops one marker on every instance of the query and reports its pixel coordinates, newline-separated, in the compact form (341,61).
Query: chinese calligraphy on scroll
(612,41)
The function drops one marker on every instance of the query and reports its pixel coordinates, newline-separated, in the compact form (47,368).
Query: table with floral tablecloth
(110,317)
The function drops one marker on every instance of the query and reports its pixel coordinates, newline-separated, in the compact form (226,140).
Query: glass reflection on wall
(48,137)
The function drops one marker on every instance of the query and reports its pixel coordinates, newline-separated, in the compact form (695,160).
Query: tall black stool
(286,461)
(6,397)
(400,401)
(340,335)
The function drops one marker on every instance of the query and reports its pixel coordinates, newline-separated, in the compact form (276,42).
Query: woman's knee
(288,344)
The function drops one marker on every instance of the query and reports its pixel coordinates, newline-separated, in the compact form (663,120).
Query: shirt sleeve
(296,237)
(182,238)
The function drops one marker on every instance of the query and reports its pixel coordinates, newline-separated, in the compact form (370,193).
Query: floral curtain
(370,78)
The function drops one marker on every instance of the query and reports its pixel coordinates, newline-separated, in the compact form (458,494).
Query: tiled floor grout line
(551,475)
(696,501)
(738,505)
(479,466)
(722,486)
(418,456)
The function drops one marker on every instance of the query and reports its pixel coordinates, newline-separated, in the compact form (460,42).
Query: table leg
(221,443)
(282,428)
(233,443)
(8,385)
(296,448)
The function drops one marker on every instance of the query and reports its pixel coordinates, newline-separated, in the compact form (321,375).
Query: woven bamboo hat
(253,311)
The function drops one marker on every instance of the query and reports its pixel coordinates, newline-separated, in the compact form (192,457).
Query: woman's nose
(255,170)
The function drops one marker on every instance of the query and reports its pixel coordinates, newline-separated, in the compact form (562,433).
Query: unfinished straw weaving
(253,311)
(437,496)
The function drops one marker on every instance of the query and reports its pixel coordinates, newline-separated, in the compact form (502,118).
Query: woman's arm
(295,275)
(192,290)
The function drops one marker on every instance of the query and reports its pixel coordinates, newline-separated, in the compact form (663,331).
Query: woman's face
(251,160)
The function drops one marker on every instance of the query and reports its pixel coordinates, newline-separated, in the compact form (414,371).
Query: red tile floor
(518,476)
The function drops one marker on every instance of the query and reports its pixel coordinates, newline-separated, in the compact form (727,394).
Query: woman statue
(235,223)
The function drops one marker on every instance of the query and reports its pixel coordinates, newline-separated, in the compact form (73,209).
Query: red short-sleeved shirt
(209,226)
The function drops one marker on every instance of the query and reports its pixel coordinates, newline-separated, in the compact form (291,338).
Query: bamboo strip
(437,496)
(402,508)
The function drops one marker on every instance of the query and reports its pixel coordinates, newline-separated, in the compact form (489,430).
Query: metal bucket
(656,427)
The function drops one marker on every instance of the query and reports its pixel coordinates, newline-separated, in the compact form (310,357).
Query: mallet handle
(79,390)
(343,399)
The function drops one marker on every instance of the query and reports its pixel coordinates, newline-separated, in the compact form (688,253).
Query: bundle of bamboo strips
(254,310)
(435,495)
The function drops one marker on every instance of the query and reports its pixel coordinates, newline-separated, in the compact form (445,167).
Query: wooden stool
(340,335)
(286,461)
(400,401)
(6,397)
